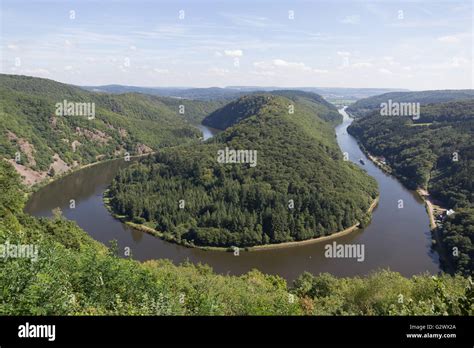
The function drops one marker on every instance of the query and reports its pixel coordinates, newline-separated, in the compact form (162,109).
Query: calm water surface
(398,239)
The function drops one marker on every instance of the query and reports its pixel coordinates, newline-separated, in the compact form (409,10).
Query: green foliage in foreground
(385,293)
(240,205)
(75,275)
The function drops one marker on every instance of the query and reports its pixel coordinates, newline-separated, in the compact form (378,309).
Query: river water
(398,239)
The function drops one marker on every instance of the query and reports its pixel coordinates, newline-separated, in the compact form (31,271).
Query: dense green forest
(75,275)
(248,105)
(366,106)
(132,123)
(435,153)
(301,187)
(457,237)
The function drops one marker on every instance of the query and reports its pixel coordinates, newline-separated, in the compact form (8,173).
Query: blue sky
(400,44)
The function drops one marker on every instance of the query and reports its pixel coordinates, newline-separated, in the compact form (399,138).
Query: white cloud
(262,65)
(343,53)
(352,19)
(390,61)
(283,64)
(385,71)
(32,72)
(234,53)
(450,63)
(245,20)
(362,65)
(12,47)
(161,71)
(448,39)
(458,61)
(263,73)
(218,71)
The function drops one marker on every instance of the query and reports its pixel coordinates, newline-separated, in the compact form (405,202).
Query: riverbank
(207,133)
(171,239)
(318,239)
(431,208)
(90,213)
(40,185)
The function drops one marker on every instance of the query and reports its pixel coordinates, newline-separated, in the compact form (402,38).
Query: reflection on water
(398,239)
(207,132)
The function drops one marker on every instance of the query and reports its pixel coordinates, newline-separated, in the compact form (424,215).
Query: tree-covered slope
(194,111)
(315,103)
(235,112)
(435,153)
(248,105)
(456,235)
(132,123)
(300,187)
(75,275)
(364,107)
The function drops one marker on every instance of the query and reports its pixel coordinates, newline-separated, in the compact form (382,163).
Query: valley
(390,233)
(392,238)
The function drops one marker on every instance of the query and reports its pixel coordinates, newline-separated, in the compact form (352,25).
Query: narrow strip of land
(159,234)
(314,240)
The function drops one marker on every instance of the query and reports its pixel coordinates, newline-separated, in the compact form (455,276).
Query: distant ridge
(232,92)
(366,106)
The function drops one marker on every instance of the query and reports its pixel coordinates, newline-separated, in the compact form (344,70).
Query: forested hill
(236,111)
(435,152)
(75,275)
(248,105)
(299,187)
(48,144)
(422,152)
(366,106)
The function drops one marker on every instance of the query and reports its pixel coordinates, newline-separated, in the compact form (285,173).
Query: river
(398,239)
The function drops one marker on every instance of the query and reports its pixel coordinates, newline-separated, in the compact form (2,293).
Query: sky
(418,45)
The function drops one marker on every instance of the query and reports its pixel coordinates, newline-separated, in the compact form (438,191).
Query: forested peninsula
(300,187)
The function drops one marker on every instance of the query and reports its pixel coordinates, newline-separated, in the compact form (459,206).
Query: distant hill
(49,144)
(236,111)
(248,105)
(233,92)
(366,106)
(324,109)
(206,94)
(228,204)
